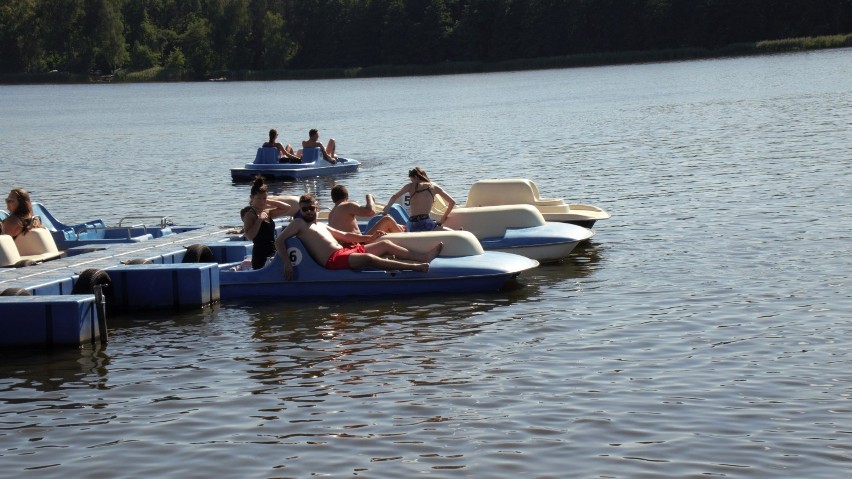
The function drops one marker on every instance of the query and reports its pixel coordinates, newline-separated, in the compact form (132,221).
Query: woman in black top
(258,216)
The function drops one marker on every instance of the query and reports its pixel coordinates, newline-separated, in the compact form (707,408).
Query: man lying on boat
(345,213)
(361,251)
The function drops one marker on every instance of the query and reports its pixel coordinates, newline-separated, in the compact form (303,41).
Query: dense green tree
(175,60)
(104,22)
(278,49)
(197,45)
(203,36)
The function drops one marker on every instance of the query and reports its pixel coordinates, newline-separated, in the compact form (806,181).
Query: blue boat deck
(104,257)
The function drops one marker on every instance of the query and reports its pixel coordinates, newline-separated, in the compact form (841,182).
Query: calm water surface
(704,332)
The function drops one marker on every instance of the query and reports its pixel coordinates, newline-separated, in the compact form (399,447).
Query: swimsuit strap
(428,188)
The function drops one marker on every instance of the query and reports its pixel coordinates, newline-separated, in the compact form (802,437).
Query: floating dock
(54,303)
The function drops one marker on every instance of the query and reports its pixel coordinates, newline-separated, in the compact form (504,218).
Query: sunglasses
(305,209)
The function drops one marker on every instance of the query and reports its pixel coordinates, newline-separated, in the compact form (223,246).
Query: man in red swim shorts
(340,258)
(323,244)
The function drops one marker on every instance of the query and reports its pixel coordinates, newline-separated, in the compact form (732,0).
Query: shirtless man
(313,142)
(421,194)
(343,215)
(323,244)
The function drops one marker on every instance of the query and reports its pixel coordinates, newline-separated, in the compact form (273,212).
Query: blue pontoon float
(313,164)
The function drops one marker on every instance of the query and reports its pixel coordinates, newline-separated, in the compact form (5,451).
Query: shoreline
(163,75)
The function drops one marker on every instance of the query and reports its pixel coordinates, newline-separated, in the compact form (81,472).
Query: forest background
(167,40)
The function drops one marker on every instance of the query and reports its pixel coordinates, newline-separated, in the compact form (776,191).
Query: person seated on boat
(328,152)
(345,212)
(20,219)
(324,245)
(258,216)
(285,153)
(421,194)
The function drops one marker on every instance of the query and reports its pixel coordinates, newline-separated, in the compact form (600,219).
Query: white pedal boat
(518,229)
(515,191)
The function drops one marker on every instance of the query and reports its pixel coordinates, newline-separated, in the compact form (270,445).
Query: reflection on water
(52,371)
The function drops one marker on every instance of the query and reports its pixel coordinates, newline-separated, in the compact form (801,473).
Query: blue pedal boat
(462,267)
(313,164)
(130,229)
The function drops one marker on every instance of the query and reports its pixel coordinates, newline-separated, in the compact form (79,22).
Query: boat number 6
(295,255)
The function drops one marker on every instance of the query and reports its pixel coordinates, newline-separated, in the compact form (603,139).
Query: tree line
(204,36)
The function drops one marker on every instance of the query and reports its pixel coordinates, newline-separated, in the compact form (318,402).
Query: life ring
(198,253)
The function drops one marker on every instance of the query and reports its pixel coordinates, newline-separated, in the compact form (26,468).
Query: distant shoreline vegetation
(164,74)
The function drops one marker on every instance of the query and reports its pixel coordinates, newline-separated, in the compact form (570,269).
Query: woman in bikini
(20,219)
(258,216)
(420,194)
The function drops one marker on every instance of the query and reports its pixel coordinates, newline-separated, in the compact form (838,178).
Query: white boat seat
(506,192)
(8,251)
(36,245)
(456,243)
(267,156)
(492,221)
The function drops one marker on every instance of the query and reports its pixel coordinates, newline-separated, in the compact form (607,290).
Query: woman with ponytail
(258,216)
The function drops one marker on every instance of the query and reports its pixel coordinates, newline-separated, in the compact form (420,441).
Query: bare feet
(436,251)
(422,267)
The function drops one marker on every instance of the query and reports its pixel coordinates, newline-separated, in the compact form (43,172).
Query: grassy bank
(159,74)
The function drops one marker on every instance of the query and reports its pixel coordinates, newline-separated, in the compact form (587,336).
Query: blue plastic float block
(57,285)
(48,320)
(155,286)
(230,251)
(223,252)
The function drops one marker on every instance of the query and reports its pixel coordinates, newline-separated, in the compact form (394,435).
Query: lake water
(704,332)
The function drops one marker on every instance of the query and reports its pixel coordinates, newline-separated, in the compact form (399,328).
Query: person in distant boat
(324,245)
(20,219)
(328,152)
(421,194)
(345,212)
(286,153)
(258,216)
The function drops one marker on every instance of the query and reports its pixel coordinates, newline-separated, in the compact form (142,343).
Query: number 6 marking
(295,255)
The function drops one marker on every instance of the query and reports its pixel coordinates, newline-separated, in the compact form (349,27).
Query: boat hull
(576,214)
(294,170)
